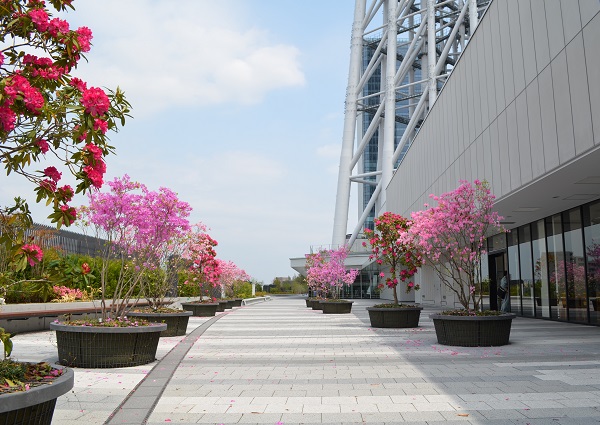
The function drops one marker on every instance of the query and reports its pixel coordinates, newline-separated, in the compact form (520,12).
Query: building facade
(521,109)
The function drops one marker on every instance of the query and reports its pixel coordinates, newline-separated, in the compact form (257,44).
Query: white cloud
(195,54)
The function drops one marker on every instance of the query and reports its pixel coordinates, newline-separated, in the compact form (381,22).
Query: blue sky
(238,107)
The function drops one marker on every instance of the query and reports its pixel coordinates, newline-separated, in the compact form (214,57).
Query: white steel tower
(389,95)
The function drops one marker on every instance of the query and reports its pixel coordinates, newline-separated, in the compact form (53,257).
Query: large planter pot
(338,307)
(176,322)
(35,406)
(473,331)
(201,309)
(308,303)
(230,304)
(237,302)
(100,347)
(394,317)
(222,305)
(316,304)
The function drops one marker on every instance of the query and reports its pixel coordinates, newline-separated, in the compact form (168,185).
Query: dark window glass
(538,245)
(591,222)
(526,269)
(512,303)
(556,265)
(576,294)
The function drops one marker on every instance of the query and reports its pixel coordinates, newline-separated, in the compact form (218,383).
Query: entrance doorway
(498,268)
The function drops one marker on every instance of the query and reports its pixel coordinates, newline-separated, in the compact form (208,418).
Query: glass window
(591,222)
(538,245)
(512,303)
(526,269)
(556,266)
(576,293)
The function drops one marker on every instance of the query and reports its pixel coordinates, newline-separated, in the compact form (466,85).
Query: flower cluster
(451,236)
(33,253)
(44,110)
(388,249)
(66,294)
(326,273)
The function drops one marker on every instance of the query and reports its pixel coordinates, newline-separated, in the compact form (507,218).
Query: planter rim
(195,303)
(177,314)
(505,316)
(336,302)
(41,394)
(394,308)
(155,327)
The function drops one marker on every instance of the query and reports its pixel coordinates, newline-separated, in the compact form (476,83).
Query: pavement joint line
(172,360)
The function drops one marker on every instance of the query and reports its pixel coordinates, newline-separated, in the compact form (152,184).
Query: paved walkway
(280,363)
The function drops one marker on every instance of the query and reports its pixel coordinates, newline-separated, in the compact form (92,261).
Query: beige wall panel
(526,25)
(506,51)
(556,37)
(591,35)
(571,20)
(588,9)
(523,139)
(534,119)
(516,46)
(503,151)
(549,137)
(580,97)
(496,159)
(479,81)
(540,34)
(487,156)
(513,147)
(497,59)
(490,70)
(562,105)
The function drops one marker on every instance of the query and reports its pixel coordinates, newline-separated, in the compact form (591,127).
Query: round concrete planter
(201,309)
(338,307)
(308,302)
(237,302)
(394,317)
(100,347)
(176,322)
(230,304)
(35,406)
(473,331)
(222,305)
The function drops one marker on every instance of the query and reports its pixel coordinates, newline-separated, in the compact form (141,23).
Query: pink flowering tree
(402,257)
(204,269)
(230,274)
(326,271)
(139,226)
(51,122)
(451,237)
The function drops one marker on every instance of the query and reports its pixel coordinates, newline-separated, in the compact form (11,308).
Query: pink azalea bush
(326,273)
(451,237)
(402,257)
(204,269)
(230,274)
(139,226)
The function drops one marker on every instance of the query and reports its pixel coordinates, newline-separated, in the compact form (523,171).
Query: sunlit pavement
(279,362)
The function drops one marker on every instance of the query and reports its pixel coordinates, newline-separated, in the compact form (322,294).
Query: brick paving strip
(139,404)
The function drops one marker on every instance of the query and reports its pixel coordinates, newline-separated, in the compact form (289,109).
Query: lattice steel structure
(388,96)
